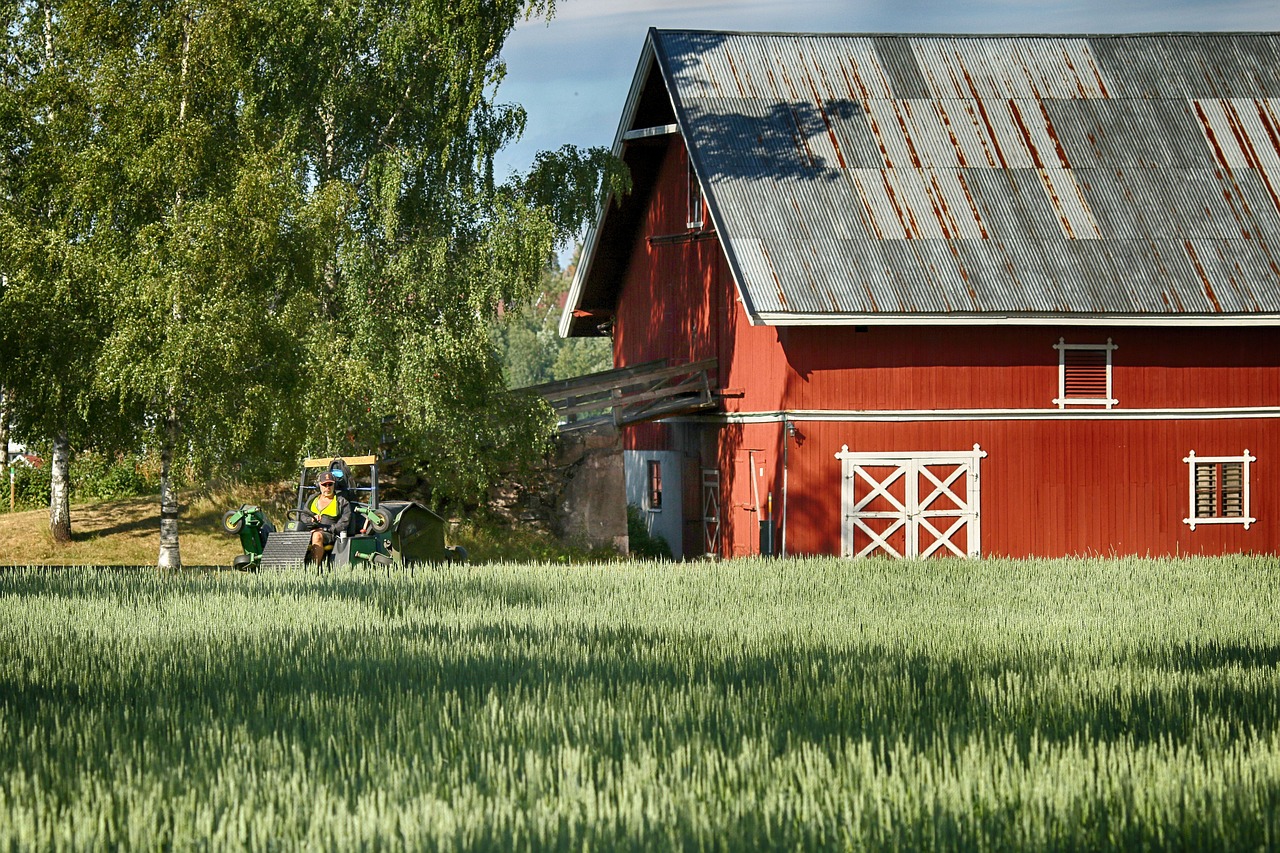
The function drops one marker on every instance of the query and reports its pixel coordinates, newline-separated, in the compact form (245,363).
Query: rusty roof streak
(728,55)
(904,218)
(986,122)
(879,138)
(1240,206)
(950,227)
(1211,135)
(826,121)
(977,215)
(951,135)
(777,282)
(1204,278)
(1236,144)
(1053,136)
(1270,123)
(898,108)
(1246,143)
(1036,159)
(993,157)
(1052,192)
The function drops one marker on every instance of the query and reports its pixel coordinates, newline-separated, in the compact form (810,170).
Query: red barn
(966,295)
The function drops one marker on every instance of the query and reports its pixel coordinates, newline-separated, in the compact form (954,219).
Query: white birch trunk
(4,435)
(170,557)
(60,489)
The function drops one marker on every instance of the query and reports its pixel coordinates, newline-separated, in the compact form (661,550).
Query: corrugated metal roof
(1016,175)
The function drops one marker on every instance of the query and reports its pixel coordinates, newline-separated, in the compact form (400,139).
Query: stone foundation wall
(577,495)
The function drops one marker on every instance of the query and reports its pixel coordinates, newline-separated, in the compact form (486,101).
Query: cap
(326,476)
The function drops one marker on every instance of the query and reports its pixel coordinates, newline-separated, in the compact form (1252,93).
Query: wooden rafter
(630,395)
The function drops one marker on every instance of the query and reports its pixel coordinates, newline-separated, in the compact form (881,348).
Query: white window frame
(652,466)
(1245,517)
(693,202)
(1062,400)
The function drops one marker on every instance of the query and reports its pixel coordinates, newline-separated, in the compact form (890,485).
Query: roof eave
(770,318)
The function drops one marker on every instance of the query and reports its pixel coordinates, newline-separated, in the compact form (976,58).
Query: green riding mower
(381,533)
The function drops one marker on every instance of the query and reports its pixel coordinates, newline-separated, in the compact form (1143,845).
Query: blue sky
(572,74)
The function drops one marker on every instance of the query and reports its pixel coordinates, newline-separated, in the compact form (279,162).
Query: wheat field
(753,704)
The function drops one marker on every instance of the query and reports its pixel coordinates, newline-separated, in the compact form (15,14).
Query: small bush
(30,487)
(98,476)
(94,476)
(643,544)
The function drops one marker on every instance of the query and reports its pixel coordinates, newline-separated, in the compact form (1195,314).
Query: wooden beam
(603,385)
(648,132)
(604,379)
(317,462)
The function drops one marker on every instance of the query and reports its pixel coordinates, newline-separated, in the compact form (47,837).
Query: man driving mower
(330,513)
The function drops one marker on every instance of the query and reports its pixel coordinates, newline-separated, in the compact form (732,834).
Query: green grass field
(1073,704)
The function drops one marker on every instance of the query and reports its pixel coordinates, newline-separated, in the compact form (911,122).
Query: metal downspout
(786,444)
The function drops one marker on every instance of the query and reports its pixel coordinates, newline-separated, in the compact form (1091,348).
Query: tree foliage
(527,338)
(393,110)
(269,225)
(53,303)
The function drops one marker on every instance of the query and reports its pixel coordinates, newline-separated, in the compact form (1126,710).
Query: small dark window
(695,219)
(655,484)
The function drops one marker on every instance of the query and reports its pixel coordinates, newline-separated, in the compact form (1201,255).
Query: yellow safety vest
(331,510)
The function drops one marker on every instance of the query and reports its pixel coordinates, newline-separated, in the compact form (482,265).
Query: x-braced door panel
(911,504)
(711,511)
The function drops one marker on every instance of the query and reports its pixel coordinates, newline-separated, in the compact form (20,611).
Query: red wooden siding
(667,307)
(997,367)
(1049,488)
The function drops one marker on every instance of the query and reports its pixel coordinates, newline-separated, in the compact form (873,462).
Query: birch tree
(288,217)
(51,323)
(395,111)
(205,327)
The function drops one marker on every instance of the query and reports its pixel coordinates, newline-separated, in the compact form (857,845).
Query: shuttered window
(1219,489)
(1084,374)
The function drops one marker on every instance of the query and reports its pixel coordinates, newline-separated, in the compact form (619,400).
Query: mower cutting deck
(386,533)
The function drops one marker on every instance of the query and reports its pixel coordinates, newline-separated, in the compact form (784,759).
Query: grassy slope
(127,533)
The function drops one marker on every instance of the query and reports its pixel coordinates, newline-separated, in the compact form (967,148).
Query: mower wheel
(243,563)
(381,521)
(233,521)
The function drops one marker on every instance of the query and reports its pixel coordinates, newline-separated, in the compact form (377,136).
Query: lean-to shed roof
(894,178)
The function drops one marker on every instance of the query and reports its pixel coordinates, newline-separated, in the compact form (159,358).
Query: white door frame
(916,510)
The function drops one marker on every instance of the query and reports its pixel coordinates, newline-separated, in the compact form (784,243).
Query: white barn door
(914,504)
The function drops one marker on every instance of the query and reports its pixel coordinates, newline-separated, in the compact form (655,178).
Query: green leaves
(570,183)
(275,222)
